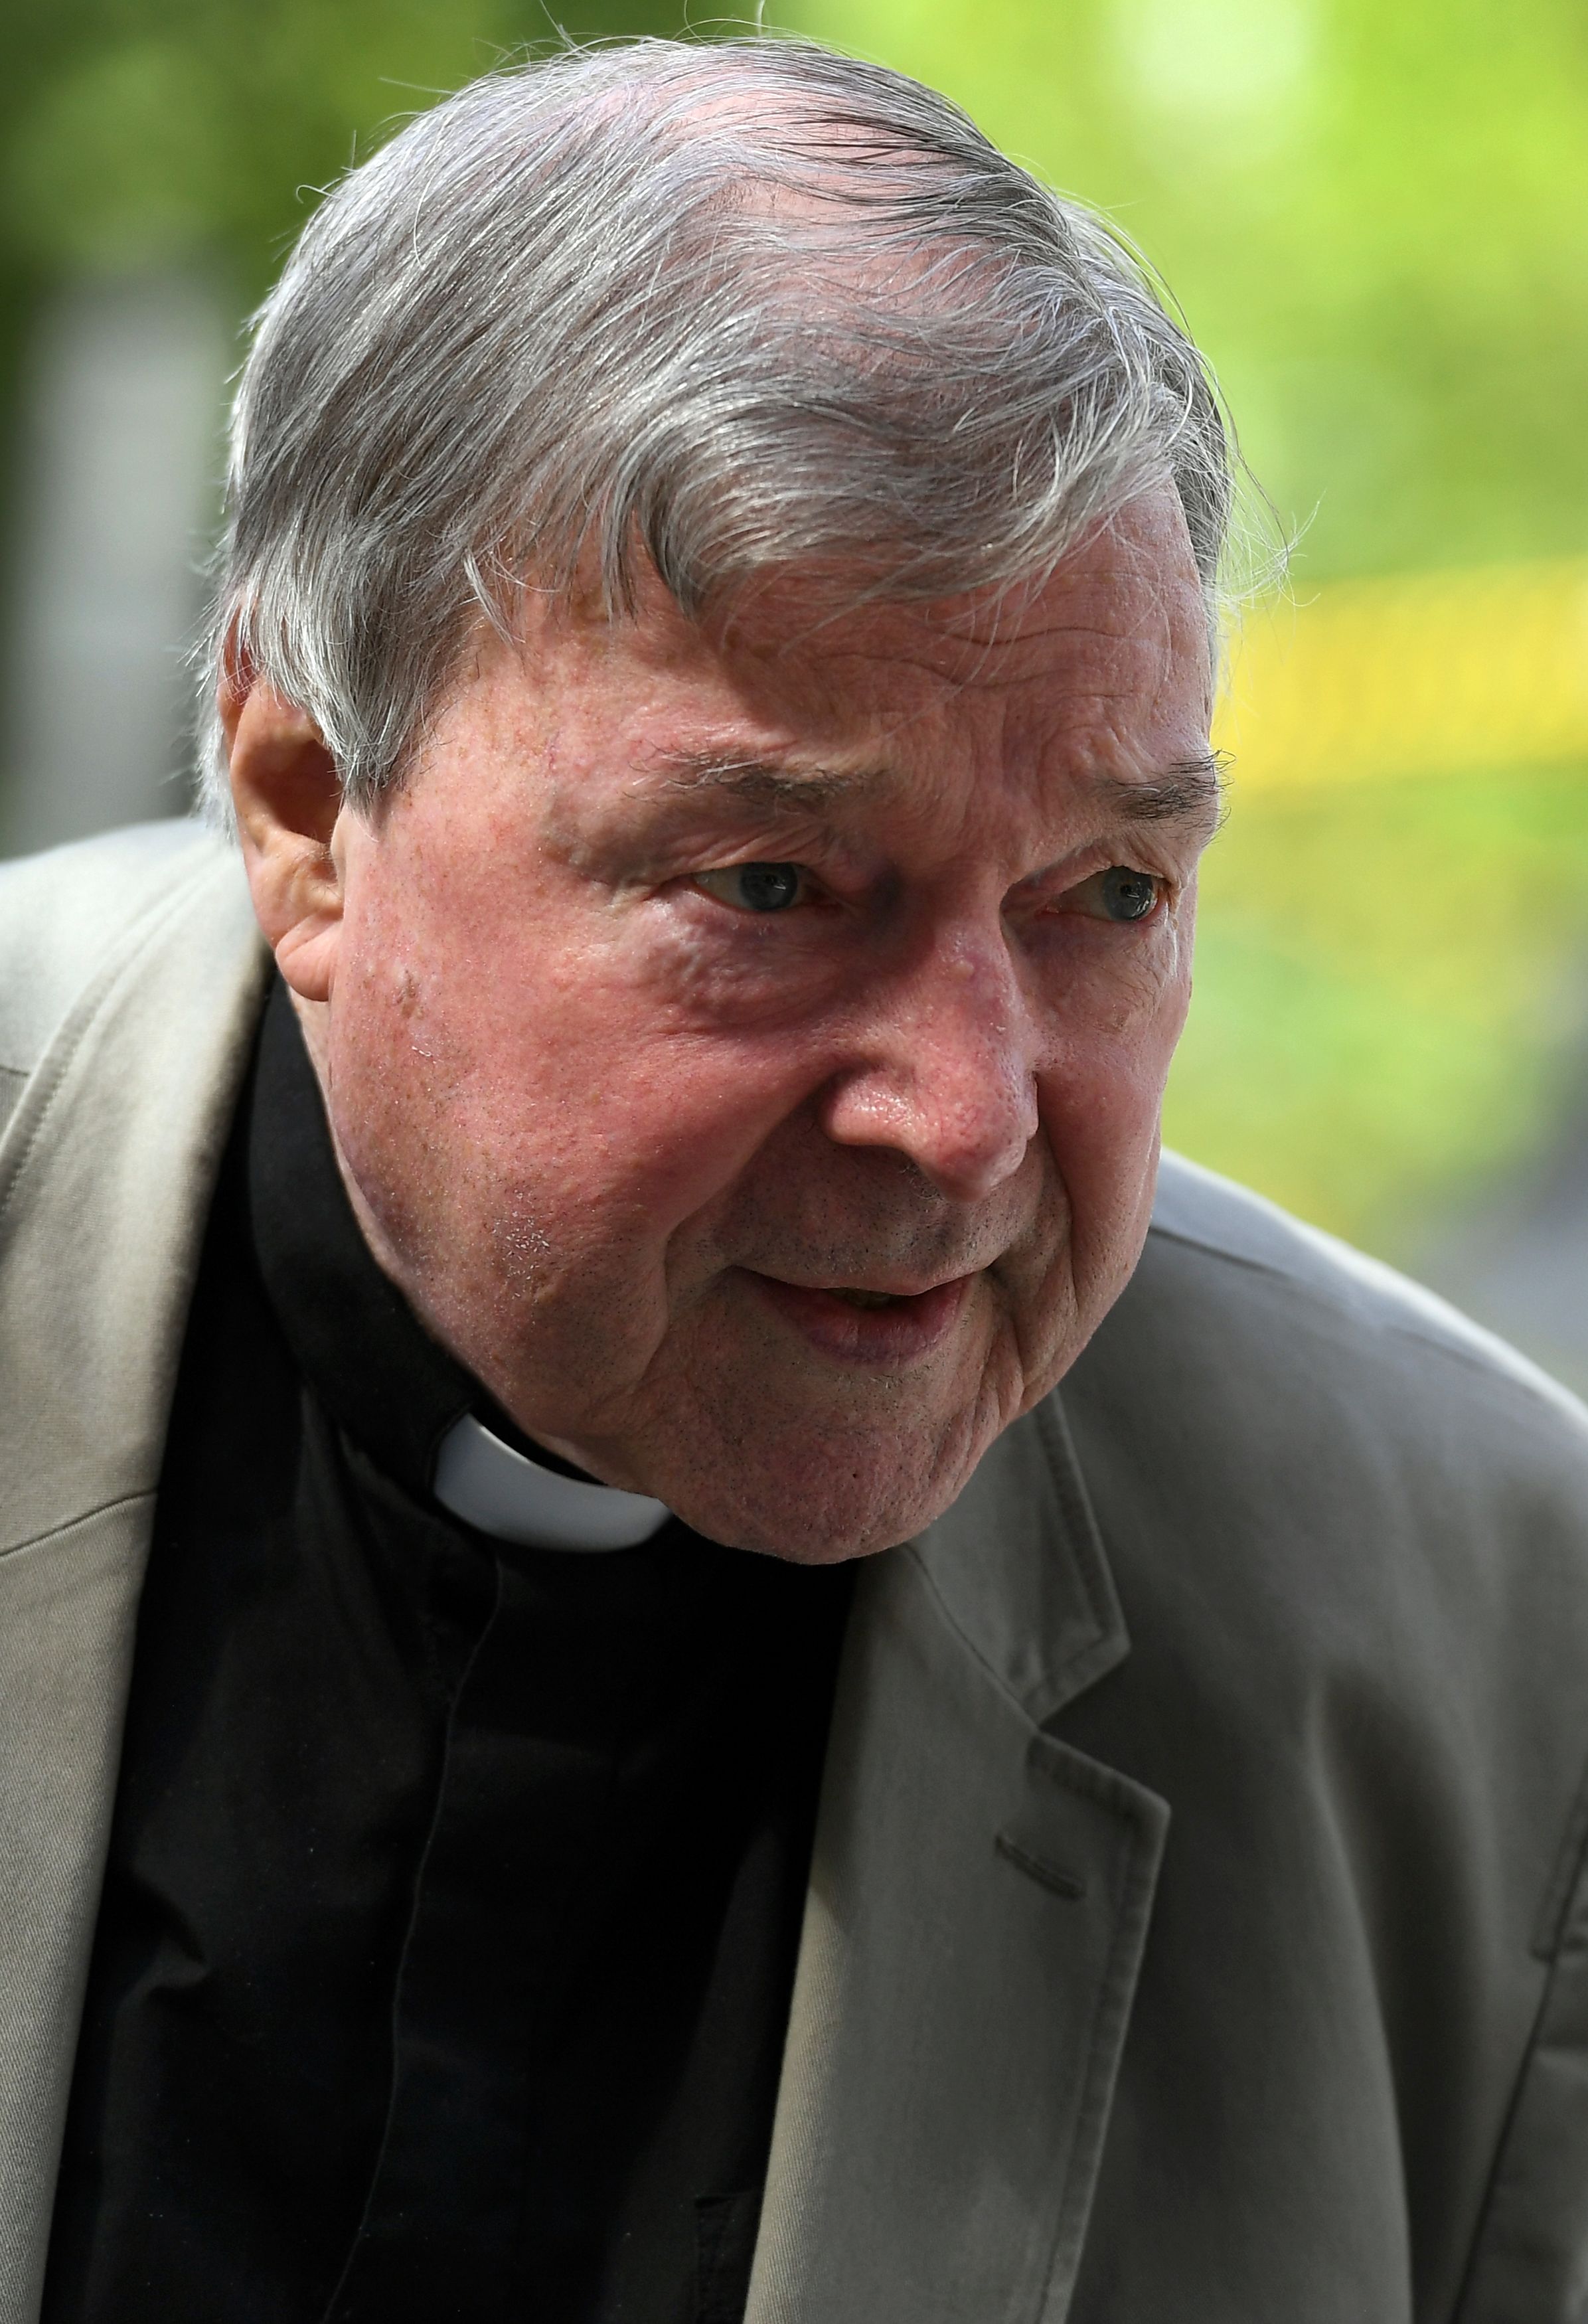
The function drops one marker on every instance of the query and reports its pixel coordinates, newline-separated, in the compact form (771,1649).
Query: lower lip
(902,1332)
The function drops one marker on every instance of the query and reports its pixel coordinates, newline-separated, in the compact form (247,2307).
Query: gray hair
(736,308)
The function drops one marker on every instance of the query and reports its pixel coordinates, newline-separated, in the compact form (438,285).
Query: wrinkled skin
(622,1139)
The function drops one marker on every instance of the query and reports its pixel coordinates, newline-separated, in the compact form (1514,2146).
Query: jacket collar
(1019,1569)
(978,1905)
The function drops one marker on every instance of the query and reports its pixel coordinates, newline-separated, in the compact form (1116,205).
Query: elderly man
(604,1715)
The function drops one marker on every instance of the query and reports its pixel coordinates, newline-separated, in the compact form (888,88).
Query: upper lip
(895,1289)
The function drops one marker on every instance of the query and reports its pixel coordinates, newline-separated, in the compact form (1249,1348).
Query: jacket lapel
(978,1903)
(105,1170)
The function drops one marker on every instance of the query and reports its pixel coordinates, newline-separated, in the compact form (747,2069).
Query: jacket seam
(1069,1675)
(1498,2164)
(1109,2026)
(1565,1877)
(966,1641)
(84,1516)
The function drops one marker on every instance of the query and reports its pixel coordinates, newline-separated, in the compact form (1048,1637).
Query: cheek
(1100,1107)
(1115,1025)
(695,968)
(535,1094)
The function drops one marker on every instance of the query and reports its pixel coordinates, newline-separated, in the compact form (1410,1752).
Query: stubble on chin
(767,1447)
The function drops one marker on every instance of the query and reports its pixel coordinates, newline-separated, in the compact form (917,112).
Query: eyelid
(1129,852)
(1051,887)
(726,873)
(1072,892)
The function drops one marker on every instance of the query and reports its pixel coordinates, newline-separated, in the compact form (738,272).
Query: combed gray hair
(739,306)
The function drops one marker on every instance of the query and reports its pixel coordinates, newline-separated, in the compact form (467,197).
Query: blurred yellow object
(1440,673)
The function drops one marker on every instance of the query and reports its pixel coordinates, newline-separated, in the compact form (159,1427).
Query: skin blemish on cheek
(563,839)
(524,1250)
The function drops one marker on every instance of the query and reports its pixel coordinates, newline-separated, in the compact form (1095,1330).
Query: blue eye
(755,887)
(1126,895)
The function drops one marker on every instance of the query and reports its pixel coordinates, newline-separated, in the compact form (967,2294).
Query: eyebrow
(1188,790)
(1191,791)
(760,783)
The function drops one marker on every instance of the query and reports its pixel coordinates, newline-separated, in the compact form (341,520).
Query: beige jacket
(1234,1970)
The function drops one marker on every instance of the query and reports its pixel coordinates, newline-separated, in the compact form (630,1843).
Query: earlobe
(288,800)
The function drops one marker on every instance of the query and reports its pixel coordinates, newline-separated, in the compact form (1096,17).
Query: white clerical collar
(492,1487)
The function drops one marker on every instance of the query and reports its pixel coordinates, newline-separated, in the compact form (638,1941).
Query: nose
(946,1070)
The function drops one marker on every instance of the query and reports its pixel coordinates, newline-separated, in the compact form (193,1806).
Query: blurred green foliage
(1390,993)
(147,134)
(144,132)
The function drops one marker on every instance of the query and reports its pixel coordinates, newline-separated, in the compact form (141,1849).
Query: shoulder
(1349,1535)
(65,912)
(1291,1447)
(1268,1307)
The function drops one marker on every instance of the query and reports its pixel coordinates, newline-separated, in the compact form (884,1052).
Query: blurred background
(1375,215)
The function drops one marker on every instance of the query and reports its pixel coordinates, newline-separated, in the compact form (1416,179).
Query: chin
(841,1500)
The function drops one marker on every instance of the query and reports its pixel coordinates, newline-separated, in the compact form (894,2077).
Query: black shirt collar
(379,1372)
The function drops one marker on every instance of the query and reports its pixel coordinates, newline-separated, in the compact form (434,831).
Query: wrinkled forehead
(1100,667)
(1121,617)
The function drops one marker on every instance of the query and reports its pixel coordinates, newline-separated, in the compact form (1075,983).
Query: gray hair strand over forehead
(737,307)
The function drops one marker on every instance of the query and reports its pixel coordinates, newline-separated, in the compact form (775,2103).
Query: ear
(289,804)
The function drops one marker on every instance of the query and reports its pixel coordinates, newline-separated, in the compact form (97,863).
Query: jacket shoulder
(1349,1535)
(62,912)
(1297,1457)
(1249,1270)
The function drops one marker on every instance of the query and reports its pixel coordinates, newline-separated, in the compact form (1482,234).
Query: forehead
(1114,639)
(1102,665)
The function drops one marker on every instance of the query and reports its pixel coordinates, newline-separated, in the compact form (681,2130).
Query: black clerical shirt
(454,1890)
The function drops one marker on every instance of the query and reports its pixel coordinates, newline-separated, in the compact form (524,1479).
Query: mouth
(862,1323)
